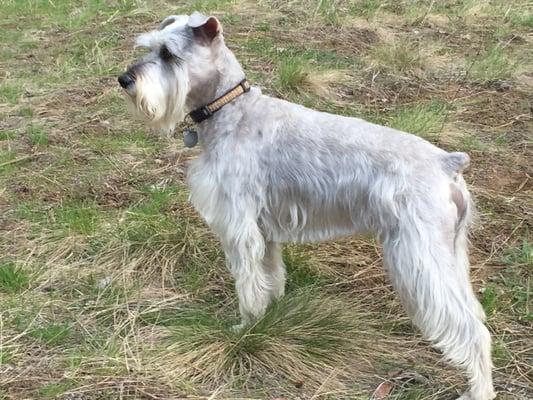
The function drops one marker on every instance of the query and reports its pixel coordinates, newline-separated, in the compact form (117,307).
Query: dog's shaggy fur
(273,172)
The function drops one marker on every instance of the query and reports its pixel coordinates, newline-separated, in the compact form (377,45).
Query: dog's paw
(238,328)
(469,396)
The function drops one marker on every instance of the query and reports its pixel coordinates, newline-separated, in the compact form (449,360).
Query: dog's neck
(228,73)
(227,119)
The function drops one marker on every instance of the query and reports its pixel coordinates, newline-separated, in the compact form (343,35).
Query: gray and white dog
(272,172)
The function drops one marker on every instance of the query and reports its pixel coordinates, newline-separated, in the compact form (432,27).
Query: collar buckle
(200,114)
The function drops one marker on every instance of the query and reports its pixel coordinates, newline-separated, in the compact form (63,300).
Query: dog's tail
(465,216)
(455,163)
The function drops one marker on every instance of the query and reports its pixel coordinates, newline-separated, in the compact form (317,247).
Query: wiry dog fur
(274,172)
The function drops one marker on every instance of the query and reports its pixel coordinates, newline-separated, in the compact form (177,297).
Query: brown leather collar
(205,112)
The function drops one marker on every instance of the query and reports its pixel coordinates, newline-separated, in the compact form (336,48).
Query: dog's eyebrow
(166,22)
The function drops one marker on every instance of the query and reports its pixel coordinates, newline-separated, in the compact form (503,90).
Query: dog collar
(205,112)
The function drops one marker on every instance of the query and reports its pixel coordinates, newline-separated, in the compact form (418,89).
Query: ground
(111,286)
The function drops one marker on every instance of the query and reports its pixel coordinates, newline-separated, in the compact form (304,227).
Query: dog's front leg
(245,251)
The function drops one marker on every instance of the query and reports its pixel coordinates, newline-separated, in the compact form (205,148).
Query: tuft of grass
(52,334)
(37,135)
(8,159)
(329,9)
(54,390)
(5,355)
(490,300)
(301,336)
(367,8)
(300,271)
(13,279)
(493,65)
(400,58)
(296,74)
(517,280)
(209,5)
(522,255)
(522,20)
(80,218)
(10,92)
(500,353)
(470,142)
(421,119)
(7,134)
(293,73)
(26,112)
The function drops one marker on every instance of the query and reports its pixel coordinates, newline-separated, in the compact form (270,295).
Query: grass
(112,286)
(314,332)
(7,134)
(13,279)
(293,73)
(37,136)
(399,58)
(10,92)
(52,334)
(425,120)
(367,8)
(77,218)
(54,390)
(492,65)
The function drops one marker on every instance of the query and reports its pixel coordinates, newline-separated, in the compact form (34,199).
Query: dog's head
(180,71)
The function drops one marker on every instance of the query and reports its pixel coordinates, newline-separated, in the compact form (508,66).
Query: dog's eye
(165,53)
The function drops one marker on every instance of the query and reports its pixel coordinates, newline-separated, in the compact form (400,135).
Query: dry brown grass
(123,291)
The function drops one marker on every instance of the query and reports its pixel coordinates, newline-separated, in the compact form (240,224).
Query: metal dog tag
(190,138)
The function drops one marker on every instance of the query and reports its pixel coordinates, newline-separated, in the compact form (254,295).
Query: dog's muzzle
(125,80)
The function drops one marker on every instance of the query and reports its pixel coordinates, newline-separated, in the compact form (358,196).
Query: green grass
(51,334)
(367,8)
(116,286)
(7,134)
(519,289)
(329,9)
(522,255)
(13,279)
(523,21)
(492,65)
(425,120)
(6,356)
(471,142)
(54,390)
(26,112)
(10,92)
(297,335)
(293,73)
(490,300)
(37,135)
(399,58)
(301,271)
(78,218)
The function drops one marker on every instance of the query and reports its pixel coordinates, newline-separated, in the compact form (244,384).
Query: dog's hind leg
(423,269)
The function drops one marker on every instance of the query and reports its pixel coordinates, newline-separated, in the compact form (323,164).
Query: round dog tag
(190,138)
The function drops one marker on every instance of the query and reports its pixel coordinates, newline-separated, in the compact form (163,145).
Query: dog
(272,172)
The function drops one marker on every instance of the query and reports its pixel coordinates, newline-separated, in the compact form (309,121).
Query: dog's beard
(159,95)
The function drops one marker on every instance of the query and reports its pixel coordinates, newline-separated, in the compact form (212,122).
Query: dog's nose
(125,80)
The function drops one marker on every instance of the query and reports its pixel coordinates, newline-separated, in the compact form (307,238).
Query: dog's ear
(206,29)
